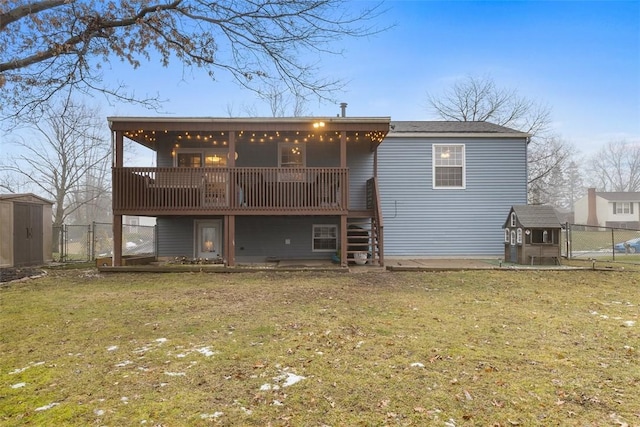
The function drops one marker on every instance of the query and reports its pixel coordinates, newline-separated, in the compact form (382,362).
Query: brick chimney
(592,216)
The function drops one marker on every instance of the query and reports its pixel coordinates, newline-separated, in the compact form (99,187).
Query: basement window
(325,238)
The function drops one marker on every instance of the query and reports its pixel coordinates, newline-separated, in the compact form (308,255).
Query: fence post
(93,241)
(566,238)
(613,243)
(63,243)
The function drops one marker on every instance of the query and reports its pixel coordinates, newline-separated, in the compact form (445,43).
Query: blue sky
(582,58)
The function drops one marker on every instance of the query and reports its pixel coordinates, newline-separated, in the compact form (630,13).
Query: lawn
(489,348)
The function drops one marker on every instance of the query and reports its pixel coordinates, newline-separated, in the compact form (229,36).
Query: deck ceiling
(154,132)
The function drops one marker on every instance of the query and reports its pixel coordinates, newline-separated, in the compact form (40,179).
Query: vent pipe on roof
(343,109)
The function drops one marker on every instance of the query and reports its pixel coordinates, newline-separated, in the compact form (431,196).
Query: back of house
(445,187)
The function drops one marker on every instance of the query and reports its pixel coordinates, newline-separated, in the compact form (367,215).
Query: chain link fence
(79,243)
(601,243)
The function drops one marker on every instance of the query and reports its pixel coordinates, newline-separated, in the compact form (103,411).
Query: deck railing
(158,191)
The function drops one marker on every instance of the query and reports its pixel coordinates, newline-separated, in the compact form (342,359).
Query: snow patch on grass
(211,416)
(20,370)
(46,407)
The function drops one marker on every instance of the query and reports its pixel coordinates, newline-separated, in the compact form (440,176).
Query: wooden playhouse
(532,235)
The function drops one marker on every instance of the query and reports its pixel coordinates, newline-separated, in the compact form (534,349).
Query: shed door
(27,234)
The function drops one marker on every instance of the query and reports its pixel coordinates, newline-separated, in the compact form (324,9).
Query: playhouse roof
(536,216)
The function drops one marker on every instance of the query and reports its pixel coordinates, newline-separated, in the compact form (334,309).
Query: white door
(208,239)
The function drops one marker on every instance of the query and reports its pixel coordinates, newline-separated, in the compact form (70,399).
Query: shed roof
(25,197)
(537,216)
(400,128)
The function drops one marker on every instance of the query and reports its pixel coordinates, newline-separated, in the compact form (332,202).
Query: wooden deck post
(230,239)
(118,162)
(343,218)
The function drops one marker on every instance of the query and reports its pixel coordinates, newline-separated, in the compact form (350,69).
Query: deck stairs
(364,235)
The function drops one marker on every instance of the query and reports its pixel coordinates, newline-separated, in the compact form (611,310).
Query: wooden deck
(230,191)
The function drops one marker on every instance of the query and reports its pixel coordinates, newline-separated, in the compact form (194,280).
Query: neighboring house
(25,230)
(445,187)
(255,189)
(608,209)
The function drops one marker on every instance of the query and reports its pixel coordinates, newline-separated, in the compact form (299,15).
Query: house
(532,235)
(256,189)
(445,186)
(25,230)
(253,189)
(608,209)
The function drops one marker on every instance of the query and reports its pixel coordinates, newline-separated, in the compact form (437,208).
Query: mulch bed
(16,273)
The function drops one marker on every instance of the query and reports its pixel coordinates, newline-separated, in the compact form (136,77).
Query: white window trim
(519,236)
(313,238)
(464,167)
(620,208)
(513,219)
(506,235)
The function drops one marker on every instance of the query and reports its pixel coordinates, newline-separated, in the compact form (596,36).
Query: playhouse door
(208,239)
(513,248)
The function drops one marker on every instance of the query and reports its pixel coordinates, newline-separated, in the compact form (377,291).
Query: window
(621,208)
(506,235)
(448,166)
(541,236)
(513,219)
(196,158)
(519,236)
(325,238)
(291,155)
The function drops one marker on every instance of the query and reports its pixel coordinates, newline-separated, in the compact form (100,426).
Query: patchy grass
(451,348)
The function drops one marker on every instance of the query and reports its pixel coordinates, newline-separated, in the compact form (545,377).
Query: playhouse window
(541,236)
(448,166)
(519,236)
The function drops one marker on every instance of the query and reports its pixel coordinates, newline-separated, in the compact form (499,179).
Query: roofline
(457,135)
(19,195)
(252,120)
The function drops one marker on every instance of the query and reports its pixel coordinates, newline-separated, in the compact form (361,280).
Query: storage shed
(25,230)
(532,235)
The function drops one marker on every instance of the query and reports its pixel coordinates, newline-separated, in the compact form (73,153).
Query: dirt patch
(16,273)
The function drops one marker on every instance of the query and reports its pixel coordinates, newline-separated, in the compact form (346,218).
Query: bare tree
(479,99)
(616,167)
(65,157)
(49,45)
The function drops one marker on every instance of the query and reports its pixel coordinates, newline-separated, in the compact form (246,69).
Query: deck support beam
(230,239)
(118,162)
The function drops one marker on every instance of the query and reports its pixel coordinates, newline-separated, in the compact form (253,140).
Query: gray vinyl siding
(257,238)
(360,164)
(422,221)
(175,236)
(262,237)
